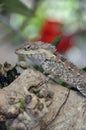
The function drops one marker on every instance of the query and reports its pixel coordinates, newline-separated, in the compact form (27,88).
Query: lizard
(54,64)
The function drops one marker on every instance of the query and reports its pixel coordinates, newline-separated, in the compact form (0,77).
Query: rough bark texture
(29,104)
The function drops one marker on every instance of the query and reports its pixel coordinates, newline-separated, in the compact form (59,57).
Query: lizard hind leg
(82,88)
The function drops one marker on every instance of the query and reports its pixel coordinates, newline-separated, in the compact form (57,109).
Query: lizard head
(37,52)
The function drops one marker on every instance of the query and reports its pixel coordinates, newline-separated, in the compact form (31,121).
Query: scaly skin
(54,64)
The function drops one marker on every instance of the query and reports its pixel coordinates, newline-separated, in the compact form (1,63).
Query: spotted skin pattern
(55,64)
(63,70)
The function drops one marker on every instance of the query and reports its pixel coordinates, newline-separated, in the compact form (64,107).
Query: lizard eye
(27,47)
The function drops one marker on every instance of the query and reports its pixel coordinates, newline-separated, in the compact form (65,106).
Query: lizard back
(59,67)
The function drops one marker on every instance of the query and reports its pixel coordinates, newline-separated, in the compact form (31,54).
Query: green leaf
(56,41)
(15,6)
(61,82)
(22,102)
(38,68)
(84,69)
(21,58)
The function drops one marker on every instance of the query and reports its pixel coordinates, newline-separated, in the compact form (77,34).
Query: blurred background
(34,20)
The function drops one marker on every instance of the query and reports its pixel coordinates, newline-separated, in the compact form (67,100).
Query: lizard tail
(82,88)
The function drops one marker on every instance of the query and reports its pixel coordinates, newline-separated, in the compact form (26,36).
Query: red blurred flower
(65,44)
(52,29)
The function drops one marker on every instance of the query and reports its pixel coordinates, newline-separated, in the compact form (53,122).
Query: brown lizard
(54,64)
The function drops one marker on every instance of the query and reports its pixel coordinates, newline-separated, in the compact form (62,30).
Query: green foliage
(56,41)
(84,69)
(15,6)
(21,58)
(22,102)
(58,81)
(39,68)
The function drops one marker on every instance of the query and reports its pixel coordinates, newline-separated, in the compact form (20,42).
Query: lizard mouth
(21,51)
